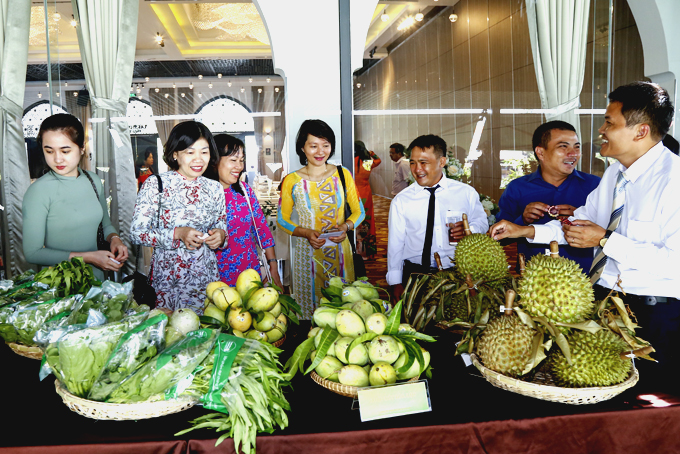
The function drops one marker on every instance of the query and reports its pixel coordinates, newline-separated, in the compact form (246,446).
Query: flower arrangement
(490,208)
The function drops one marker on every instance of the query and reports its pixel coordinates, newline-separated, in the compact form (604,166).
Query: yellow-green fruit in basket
(376,323)
(353,375)
(383,349)
(596,360)
(263,300)
(351,295)
(382,373)
(363,308)
(214,312)
(328,368)
(276,310)
(317,341)
(267,322)
(241,321)
(238,333)
(210,289)
(275,334)
(247,280)
(172,335)
(282,322)
(257,335)
(358,355)
(313,332)
(349,324)
(481,257)
(227,297)
(325,317)
(205,303)
(505,345)
(414,370)
(557,289)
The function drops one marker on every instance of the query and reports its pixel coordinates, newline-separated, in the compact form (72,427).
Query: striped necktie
(617,209)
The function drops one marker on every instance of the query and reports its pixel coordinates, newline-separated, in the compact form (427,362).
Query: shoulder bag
(102,244)
(142,289)
(359,266)
(264,264)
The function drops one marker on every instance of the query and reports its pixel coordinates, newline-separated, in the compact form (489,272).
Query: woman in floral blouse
(241,251)
(192,220)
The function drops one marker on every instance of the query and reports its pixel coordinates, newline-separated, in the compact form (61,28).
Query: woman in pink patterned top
(241,251)
(192,222)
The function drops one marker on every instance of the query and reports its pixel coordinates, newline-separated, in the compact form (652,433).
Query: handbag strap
(252,215)
(348,211)
(92,183)
(160,195)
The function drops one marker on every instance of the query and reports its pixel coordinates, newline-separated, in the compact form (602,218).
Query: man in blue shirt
(556,183)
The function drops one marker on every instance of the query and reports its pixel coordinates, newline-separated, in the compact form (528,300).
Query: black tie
(427,248)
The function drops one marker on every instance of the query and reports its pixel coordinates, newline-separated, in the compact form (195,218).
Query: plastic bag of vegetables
(78,358)
(243,380)
(165,370)
(111,299)
(137,347)
(23,323)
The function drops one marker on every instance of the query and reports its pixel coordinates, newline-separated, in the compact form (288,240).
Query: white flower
(487,204)
(453,170)
(487,211)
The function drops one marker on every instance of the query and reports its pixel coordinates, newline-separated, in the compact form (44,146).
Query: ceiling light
(250,79)
(182,95)
(75,93)
(229,84)
(73,21)
(243,90)
(140,97)
(47,84)
(39,95)
(453,17)
(276,89)
(65,84)
(259,90)
(166,95)
(419,16)
(384,17)
(139,90)
(200,95)
(156,89)
(406,23)
(359,85)
(200,77)
(191,85)
(219,76)
(146,79)
(174,85)
(56,17)
(58,94)
(268,80)
(210,85)
(159,40)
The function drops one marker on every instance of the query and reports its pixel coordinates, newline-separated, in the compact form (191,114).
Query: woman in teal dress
(61,211)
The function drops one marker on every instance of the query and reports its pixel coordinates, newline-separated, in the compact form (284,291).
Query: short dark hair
(645,102)
(398,148)
(148,151)
(228,145)
(65,123)
(184,135)
(361,151)
(316,128)
(542,136)
(428,141)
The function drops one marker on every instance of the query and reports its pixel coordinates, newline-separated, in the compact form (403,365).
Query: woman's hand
(341,238)
(191,237)
(101,259)
(274,271)
(215,238)
(118,249)
(313,238)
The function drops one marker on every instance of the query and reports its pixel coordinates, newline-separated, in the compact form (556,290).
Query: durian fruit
(480,256)
(596,360)
(557,289)
(505,344)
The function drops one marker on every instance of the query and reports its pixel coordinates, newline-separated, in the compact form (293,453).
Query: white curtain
(558,32)
(107,34)
(15,18)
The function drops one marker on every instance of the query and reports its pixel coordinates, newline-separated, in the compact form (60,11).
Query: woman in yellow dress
(316,193)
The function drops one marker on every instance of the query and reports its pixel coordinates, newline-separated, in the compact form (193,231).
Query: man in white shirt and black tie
(633,220)
(417,222)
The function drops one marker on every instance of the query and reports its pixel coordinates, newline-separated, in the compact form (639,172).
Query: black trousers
(659,324)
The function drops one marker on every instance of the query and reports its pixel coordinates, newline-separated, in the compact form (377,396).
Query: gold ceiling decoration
(237,21)
(36,34)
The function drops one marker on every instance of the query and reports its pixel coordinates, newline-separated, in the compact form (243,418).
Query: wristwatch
(271,260)
(606,236)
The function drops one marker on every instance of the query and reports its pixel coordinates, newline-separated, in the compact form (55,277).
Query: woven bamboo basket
(121,412)
(29,351)
(542,387)
(279,342)
(339,388)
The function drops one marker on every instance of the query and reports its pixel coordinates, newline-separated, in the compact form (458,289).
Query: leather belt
(650,300)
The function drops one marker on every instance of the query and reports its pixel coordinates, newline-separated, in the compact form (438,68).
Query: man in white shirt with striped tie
(633,220)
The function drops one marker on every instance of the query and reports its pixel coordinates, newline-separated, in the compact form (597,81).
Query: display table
(468,416)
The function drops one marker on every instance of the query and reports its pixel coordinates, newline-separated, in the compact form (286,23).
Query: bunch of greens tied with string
(243,380)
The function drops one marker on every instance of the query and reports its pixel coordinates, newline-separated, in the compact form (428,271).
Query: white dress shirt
(645,248)
(402,169)
(408,223)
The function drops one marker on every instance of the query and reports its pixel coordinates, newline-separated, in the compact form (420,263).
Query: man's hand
(583,233)
(397,291)
(565,210)
(457,230)
(506,229)
(534,211)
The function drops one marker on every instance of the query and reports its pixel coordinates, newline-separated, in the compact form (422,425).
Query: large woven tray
(543,388)
(121,412)
(29,351)
(339,388)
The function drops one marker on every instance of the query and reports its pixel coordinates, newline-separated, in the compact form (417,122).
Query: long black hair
(361,151)
(184,135)
(228,145)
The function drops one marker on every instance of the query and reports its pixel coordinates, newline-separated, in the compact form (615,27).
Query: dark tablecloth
(468,416)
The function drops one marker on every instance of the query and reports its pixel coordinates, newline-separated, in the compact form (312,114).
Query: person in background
(145,167)
(61,211)
(556,183)
(192,220)
(364,162)
(316,193)
(417,219)
(633,218)
(241,251)
(402,169)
